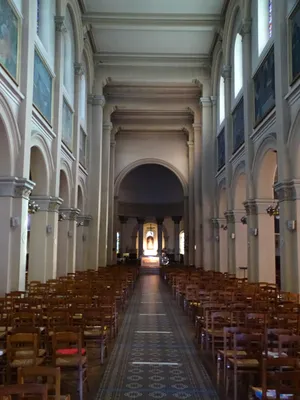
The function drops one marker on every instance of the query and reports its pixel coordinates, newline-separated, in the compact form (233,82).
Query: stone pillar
(230,223)
(43,239)
(141,222)
(261,227)
(283,124)
(176,221)
(14,194)
(186,231)
(111,237)
(197,194)
(208,170)
(241,240)
(133,243)
(216,234)
(67,235)
(191,232)
(81,250)
(159,222)
(95,179)
(226,73)
(103,243)
(223,245)
(214,190)
(123,221)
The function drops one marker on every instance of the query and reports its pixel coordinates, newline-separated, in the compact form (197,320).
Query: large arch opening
(154,194)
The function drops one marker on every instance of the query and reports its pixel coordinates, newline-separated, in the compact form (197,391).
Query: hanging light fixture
(244,220)
(33,207)
(273,210)
(61,216)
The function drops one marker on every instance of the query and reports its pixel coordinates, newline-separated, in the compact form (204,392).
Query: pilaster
(113,203)
(197,194)
(191,222)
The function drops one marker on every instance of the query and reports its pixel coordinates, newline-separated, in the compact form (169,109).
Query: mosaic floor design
(154,356)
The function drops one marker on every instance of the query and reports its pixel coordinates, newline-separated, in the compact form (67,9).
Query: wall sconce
(79,223)
(49,229)
(224,227)
(291,225)
(233,236)
(33,207)
(273,211)
(244,220)
(14,222)
(62,216)
(254,231)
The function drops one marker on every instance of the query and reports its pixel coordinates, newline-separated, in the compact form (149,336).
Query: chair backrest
(51,374)
(38,390)
(22,346)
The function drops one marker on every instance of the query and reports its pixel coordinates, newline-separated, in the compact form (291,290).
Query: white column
(186,230)
(176,221)
(159,222)
(95,180)
(14,194)
(123,221)
(43,239)
(80,261)
(74,212)
(141,222)
(223,245)
(208,170)
(197,194)
(241,240)
(111,238)
(289,267)
(230,223)
(103,245)
(191,233)
(216,234)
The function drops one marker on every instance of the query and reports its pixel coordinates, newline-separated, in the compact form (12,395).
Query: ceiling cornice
(128,20)
(154,59)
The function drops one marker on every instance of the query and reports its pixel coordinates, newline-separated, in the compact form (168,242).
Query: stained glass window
(270,7)
(38,15)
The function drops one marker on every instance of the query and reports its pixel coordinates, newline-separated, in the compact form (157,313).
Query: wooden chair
(39,391)
(50,375)
(95,329)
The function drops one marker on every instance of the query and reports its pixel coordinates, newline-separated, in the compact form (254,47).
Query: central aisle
(154,356)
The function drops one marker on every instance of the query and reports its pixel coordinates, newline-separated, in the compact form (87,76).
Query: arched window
(181,242)
(265,23)
(69,57)
(83,97)
(221,100)
(45,23)
(238,64)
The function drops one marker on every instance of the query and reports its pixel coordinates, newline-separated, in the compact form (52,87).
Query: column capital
(226,71)
(96,100)
(245,28)
(140,221)
(176,220)
(257,206)
(286,191)
(197,127)
(229,216)
(60,25)
(190,143)
(69,214)
(12,186)
(159,220)
(250,207)
(107,126)
(215,222)
(78,69)
(214,100)
(85,219)
(123,219)
(206,101)
(47,203)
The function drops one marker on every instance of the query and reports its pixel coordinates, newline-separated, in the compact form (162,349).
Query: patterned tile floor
(154,356)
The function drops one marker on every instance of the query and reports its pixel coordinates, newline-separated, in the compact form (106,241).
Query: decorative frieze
(85,219)
(47,203)
(16,187)
(69,214)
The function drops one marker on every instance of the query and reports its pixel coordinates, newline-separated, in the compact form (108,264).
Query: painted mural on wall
(9,38)
(264,88)
(295,43)
(42,88)
(221,149)
(67,126)
(238,125)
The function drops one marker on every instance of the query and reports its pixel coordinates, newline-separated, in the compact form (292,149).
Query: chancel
(149,193)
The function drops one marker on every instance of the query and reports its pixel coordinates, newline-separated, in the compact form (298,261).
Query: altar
(150,262)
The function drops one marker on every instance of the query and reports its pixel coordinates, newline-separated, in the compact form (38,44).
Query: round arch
(64,189)
(80,199)
(39,141)
(10,139)
(239,181)
(138,163)
(230,26)
(65,167)
(293,145)
(264,167)
(39,171)
(77,26)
